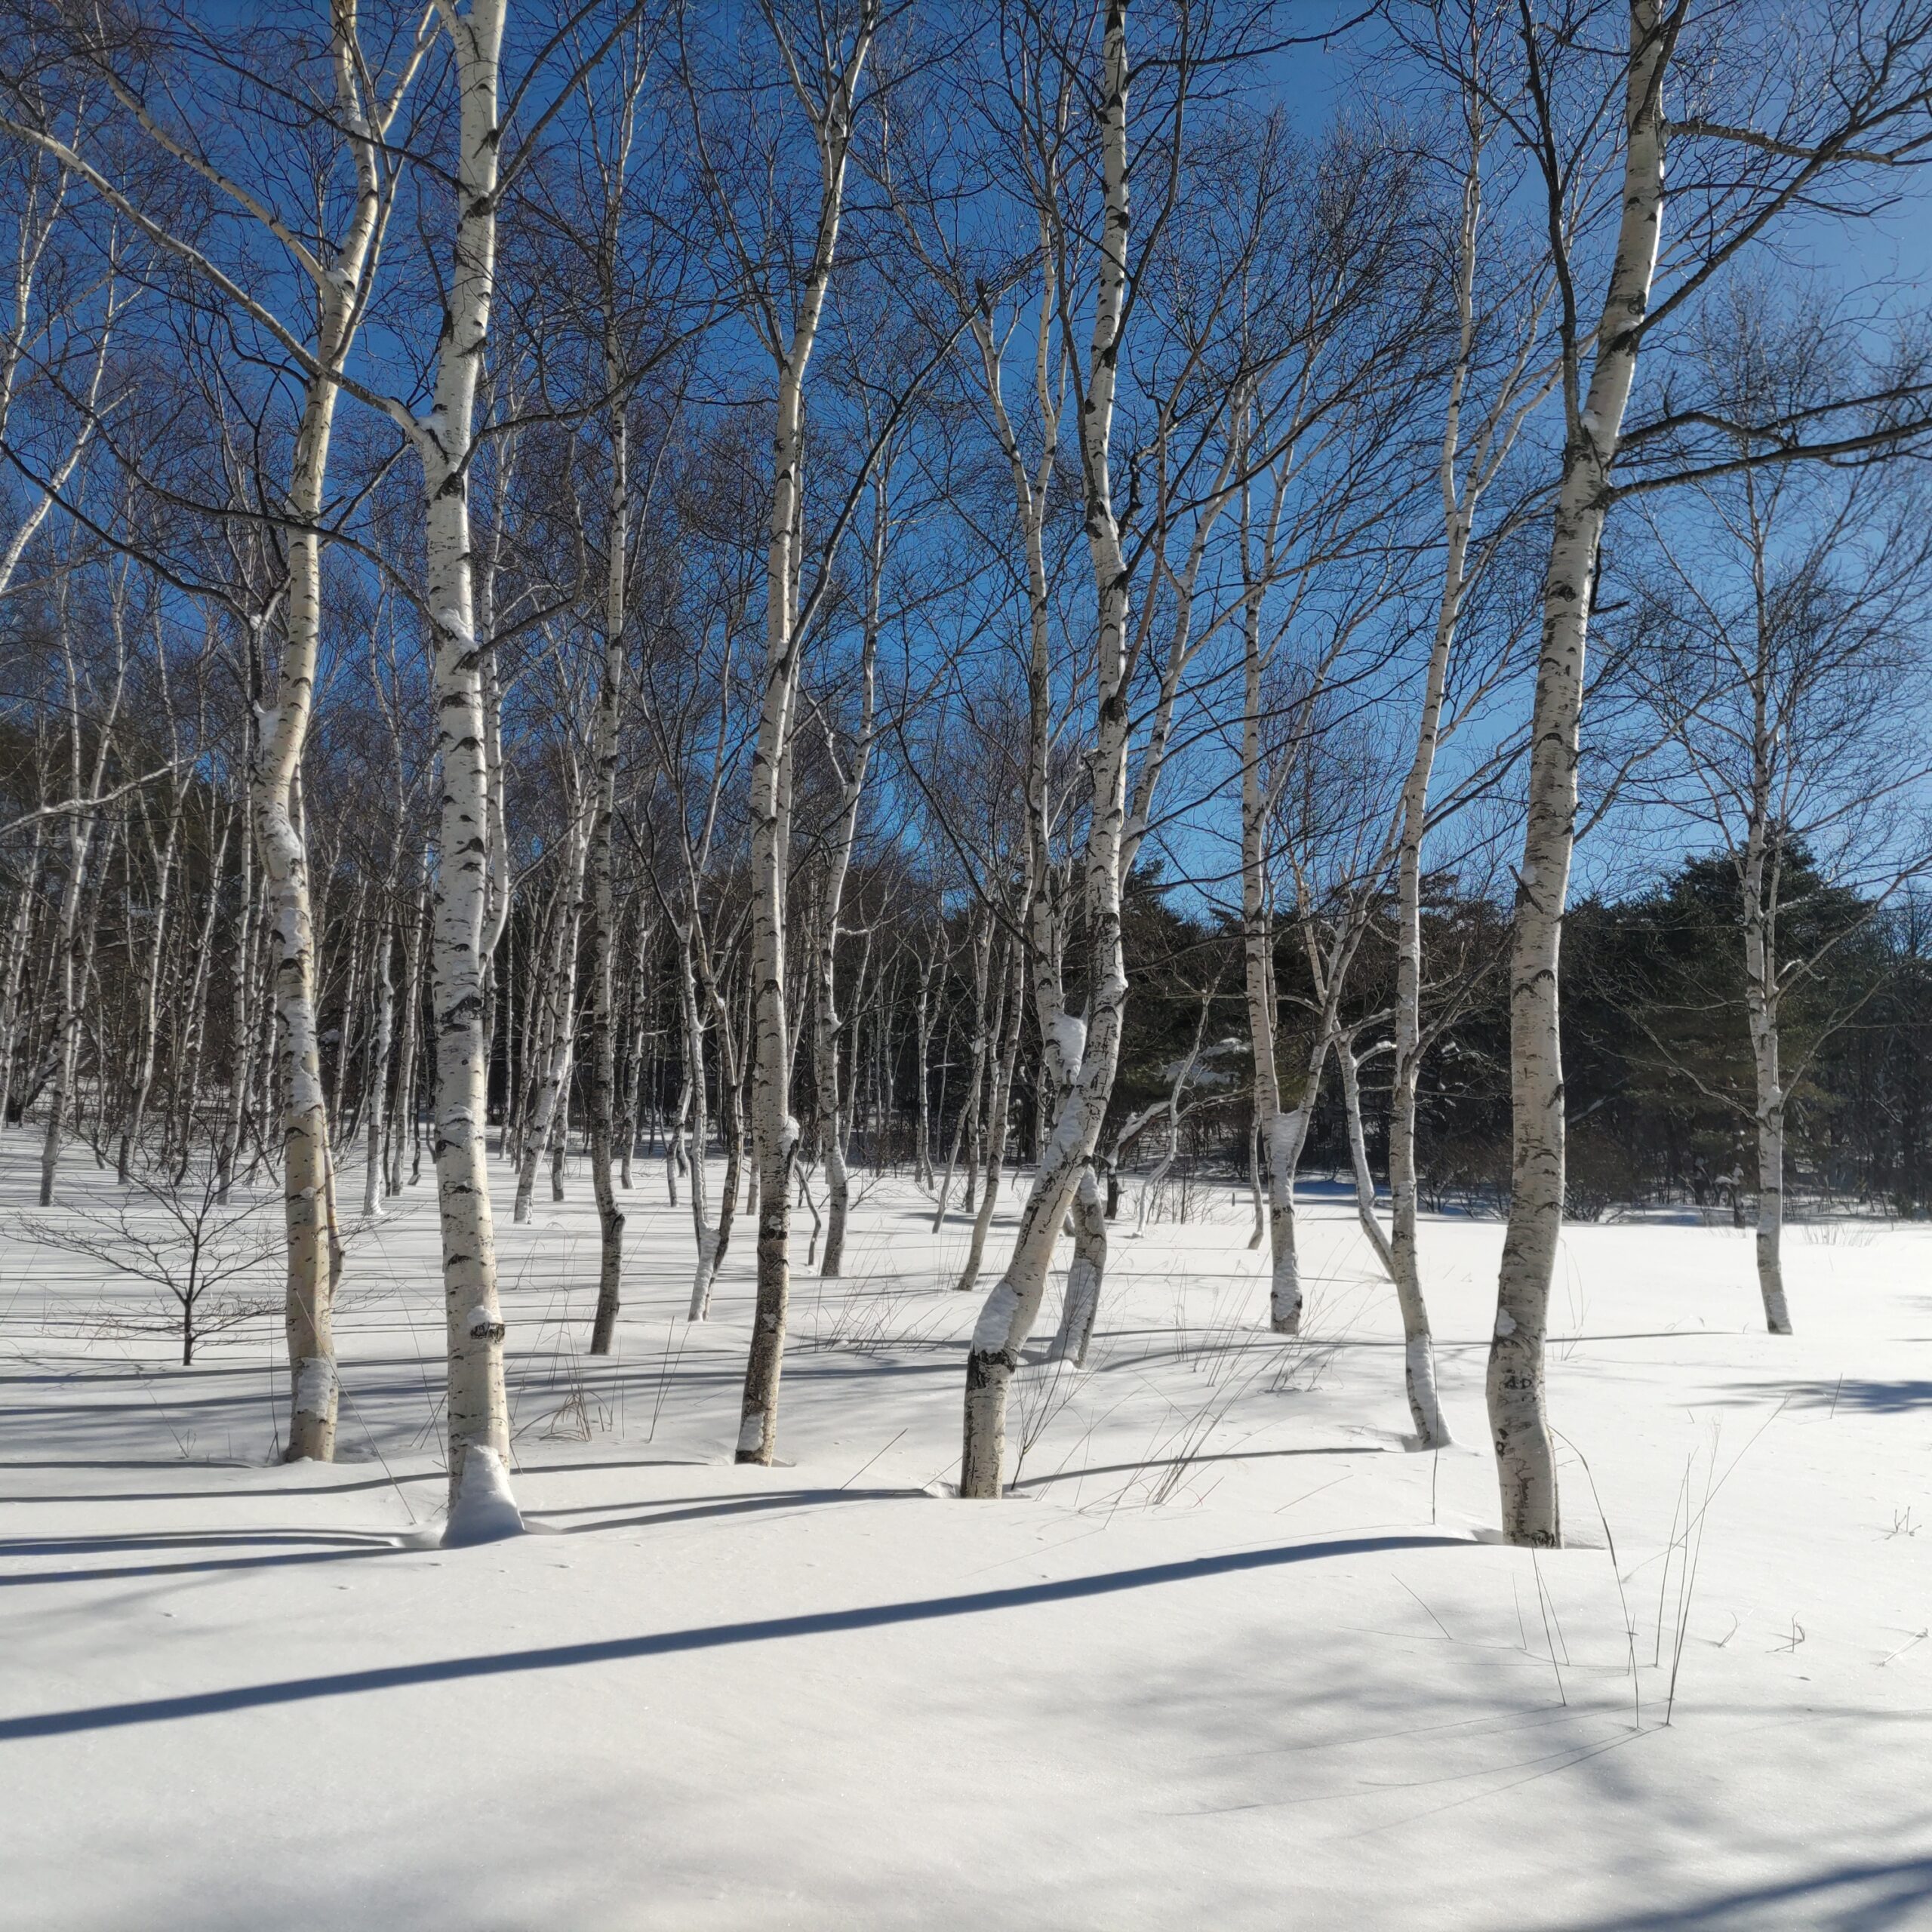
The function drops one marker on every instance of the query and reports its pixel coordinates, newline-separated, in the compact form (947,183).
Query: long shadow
(524,1469)
(133,1463)
(669,1643)
(220,1495)
(307,1489)
(1893,1894)
(134,1572)
(1182,1462)
(104,1545)
(668,1511)
(1851,1392)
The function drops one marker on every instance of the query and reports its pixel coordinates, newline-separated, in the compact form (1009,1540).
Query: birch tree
(1087,1053)
(1855,84)
(336,269)
(1777,624)
(824,81)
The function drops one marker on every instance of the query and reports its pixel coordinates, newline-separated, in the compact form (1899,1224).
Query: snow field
(1228,1656)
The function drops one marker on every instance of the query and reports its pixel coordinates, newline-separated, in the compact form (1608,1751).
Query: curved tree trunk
(1364,1180)
(1011,1309)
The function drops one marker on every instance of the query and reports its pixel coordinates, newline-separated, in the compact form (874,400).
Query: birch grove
(755,606)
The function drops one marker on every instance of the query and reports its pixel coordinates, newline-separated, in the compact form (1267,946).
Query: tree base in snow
(484,1511)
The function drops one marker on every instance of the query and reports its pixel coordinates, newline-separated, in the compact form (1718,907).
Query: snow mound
(484,1511)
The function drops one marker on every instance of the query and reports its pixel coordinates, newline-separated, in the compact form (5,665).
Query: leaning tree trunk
(1081,1302)
(1088,1063)
(1525,1463)
(1364,1180)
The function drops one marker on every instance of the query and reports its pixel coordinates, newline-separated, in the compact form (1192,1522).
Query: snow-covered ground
(1230,1657)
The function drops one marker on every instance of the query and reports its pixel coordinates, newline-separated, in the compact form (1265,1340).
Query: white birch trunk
(404,1113)
(1526,1465)
(477,1412)
(375,1102)
(1010,1310)
(1761,994)
(541,1130)
(774,1131)
(702,1229)
(17,938)
(998,1114)
(604,896)
(148,1021)
(72,934)
(1364,1180)
(1280,1133)
(826,1025)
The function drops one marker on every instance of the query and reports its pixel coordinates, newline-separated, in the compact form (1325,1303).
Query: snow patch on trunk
(994,1326)
(315,1386)
(484,1511)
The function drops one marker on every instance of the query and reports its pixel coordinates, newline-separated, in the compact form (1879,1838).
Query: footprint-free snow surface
(1230,1655)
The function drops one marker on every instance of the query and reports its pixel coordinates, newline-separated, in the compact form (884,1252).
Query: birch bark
(1089,1062)
(1008,1020)
(979,942)
(85,777)
(603,902)
(559,1014)
(1525,1454)
(478,1423)
(774,1131)
(1762,985)
(826,1025)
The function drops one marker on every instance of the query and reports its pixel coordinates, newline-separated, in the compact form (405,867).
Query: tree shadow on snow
(1852,1392)
(561,1656)
(1852,1898)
